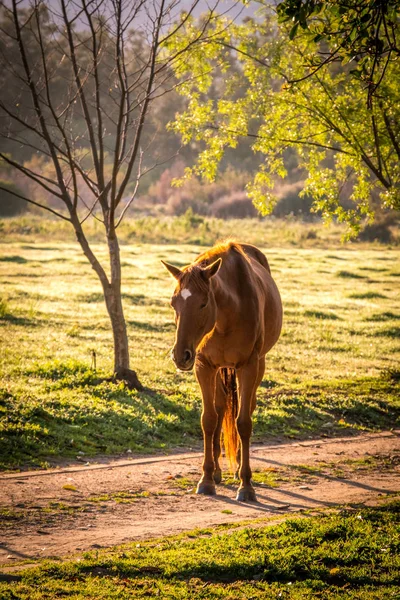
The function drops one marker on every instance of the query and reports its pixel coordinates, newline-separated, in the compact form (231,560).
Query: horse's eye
(203,305)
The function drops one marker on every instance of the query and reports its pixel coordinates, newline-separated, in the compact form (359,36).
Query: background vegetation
(262,98)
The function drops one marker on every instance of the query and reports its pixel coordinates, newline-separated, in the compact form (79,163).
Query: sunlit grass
(328,373)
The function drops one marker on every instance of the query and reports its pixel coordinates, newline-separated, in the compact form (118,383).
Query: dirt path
(78,508)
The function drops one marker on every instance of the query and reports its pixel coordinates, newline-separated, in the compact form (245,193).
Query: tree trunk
(112,295)
(113,300)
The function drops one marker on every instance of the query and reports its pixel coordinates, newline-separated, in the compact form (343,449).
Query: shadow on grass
(41,248)
(142,300)
(169,326)
(367,295)
(14,259)
(67,374)
(9,577)
(94,418)
(349,275)
(366,404)
(18,274)
(391,332)
(384,316)
(90,298)
(335,257)
(14,320)
(268,384)
(318,314)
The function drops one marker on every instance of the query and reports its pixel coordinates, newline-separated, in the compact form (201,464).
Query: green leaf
(353,34)
(317,8)
(293,31)
(366,18)
(356,73)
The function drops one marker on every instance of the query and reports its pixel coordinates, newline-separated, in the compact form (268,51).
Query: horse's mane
(192,273)
(218,250)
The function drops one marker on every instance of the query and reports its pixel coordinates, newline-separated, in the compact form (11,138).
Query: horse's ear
(175,272)
(212,269)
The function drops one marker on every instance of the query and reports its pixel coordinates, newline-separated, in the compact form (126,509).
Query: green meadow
(334,370)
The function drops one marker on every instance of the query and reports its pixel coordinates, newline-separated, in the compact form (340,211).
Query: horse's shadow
(292,500)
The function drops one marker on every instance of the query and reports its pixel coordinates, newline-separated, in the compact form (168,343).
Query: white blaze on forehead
(185,293)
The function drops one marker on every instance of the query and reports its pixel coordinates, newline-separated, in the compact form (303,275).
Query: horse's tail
(231,439)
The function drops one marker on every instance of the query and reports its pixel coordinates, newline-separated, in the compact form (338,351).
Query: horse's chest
(228,349)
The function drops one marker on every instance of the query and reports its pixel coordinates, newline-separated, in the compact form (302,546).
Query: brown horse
(228,316)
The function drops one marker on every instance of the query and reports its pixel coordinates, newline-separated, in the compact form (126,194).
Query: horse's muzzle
(184,362)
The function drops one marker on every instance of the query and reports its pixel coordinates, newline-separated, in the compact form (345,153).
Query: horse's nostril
(187,356)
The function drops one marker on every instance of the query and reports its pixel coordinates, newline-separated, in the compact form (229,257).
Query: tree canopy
(362,33)
(347,146)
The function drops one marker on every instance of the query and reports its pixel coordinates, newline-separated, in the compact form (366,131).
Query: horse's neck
(225,303)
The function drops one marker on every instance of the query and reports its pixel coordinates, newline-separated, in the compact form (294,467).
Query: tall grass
(187,228)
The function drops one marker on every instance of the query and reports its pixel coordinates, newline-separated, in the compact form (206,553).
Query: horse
(228,314)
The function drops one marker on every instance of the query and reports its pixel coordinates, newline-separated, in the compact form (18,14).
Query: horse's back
(248,271)
(268,297)
(254,252)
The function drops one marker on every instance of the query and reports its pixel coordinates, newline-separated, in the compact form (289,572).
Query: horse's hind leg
(247,378)
(220,407)
(260,375)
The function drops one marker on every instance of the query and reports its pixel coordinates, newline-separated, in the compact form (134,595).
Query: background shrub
(381,229)
(11,205)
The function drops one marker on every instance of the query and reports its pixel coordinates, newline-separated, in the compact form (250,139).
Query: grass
(334,370)
(4,309)
(351,554)
(120,497)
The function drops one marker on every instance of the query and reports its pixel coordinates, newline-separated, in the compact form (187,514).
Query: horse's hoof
(208,489)
(246,495)
(217,475)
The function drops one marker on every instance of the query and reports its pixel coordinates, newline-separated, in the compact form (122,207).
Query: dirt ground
(79,507)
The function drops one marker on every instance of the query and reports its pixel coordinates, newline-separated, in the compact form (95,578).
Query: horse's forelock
(192,278)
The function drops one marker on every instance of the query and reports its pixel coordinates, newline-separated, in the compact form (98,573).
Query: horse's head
(195,310)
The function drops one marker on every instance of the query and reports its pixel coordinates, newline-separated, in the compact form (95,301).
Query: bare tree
(79,79)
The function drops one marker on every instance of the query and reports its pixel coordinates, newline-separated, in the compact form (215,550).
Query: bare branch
(4,189)
(96,50)
(37,106)
(82,95)
(36,177)
(143,111)
(50,104)
(133,195)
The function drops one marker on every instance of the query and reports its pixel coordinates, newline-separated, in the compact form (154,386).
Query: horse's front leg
(206,377)
(247,379)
